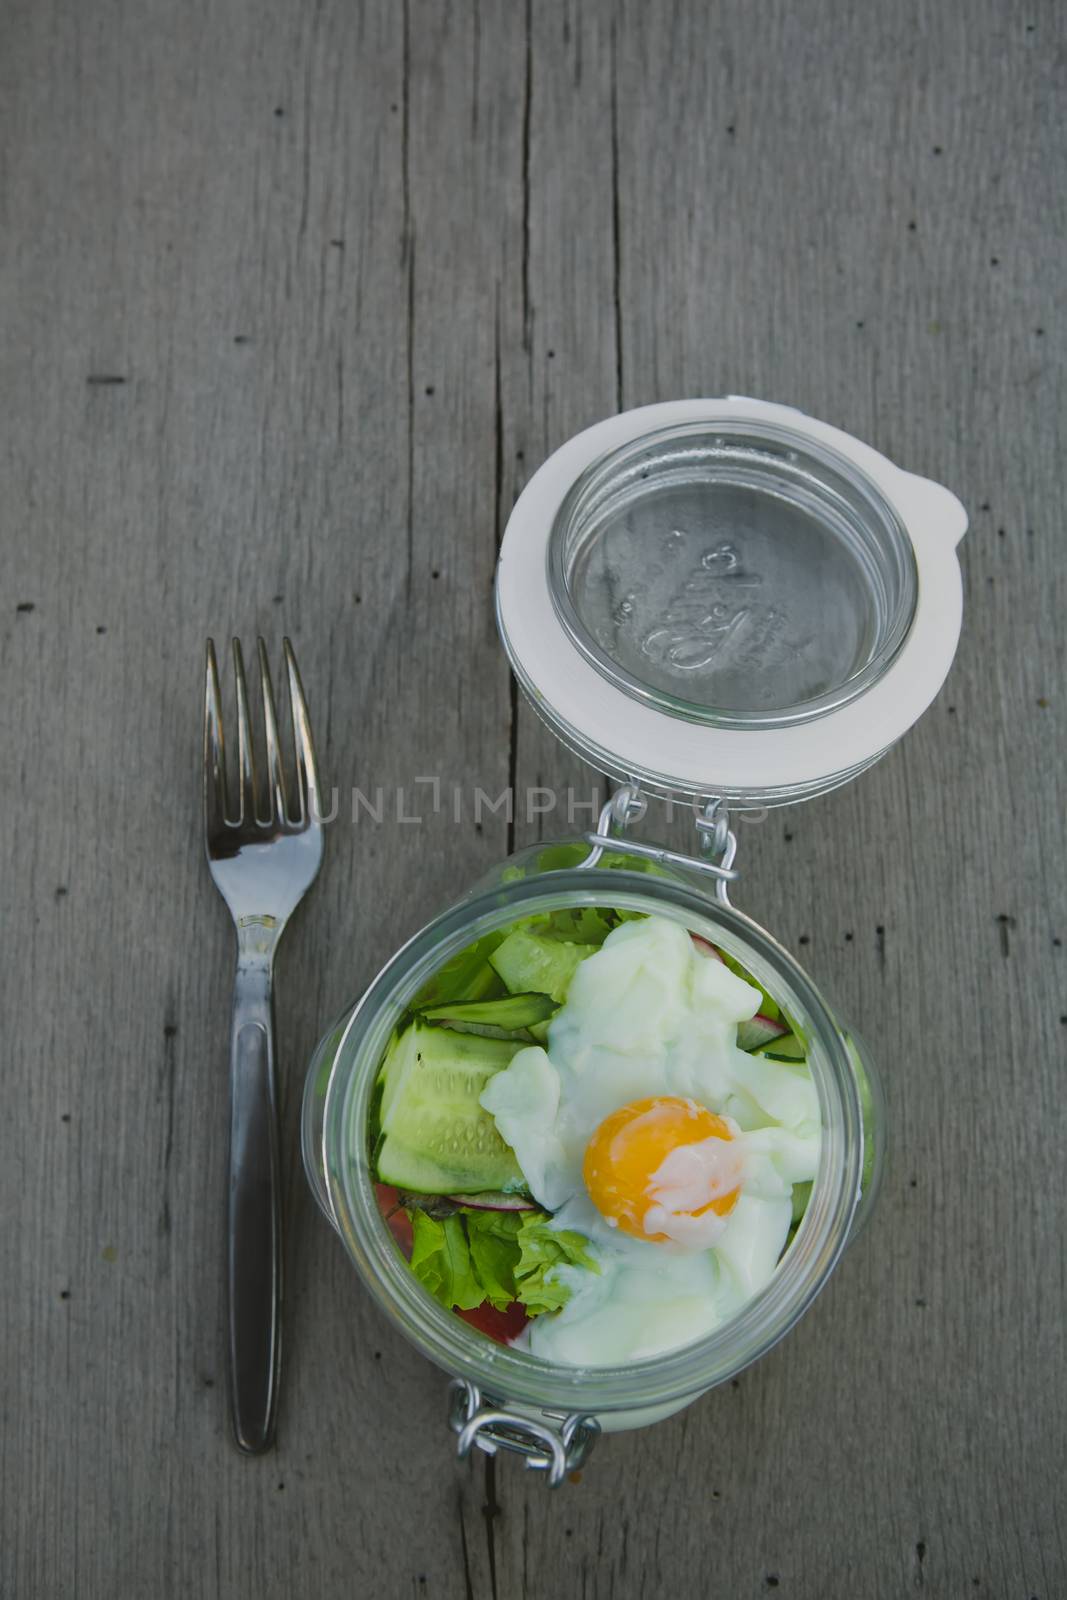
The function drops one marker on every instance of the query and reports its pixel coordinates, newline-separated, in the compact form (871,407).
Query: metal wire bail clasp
(555,1448)
(718,844)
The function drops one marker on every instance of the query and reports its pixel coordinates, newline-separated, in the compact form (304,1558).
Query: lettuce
(582,924)
(494,1251)
(541,1250)
(467,977)
(441,1260)
(499,1256)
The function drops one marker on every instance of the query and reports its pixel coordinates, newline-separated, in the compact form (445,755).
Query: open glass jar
(722,600)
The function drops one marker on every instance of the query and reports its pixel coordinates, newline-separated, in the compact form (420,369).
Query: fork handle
(255,1257)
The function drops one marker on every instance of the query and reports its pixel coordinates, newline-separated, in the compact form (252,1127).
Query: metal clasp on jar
(718,843)
(558,1444)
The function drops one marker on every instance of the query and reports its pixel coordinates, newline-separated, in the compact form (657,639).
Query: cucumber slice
(870,1132)
(801,1196)
(515,1011)
(437,1139)
(487,1031)
(399,1060)
(789,1048)
(421,1174)
(538,962)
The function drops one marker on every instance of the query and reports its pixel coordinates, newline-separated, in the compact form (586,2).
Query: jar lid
(726,597)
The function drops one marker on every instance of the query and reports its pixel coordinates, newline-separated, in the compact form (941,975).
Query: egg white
(650,1015)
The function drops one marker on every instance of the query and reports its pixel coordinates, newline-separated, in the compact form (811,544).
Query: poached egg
(645,1127)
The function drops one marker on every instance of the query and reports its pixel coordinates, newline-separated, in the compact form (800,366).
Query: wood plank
(562,372)
(284,226)
(237,218)
(766,181)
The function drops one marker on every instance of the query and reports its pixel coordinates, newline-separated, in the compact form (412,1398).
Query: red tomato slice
(394,1215)
(503,1326)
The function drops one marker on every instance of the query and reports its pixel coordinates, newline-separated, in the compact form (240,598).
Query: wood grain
(295,297)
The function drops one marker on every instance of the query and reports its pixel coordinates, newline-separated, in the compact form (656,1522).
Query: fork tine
(214,749)
(307,772)
(246,759)
(275,773)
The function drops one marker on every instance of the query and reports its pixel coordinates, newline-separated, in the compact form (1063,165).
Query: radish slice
(493,1200)
(759,1030)
(705,947)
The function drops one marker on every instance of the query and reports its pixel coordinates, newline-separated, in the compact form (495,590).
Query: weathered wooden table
(295,297)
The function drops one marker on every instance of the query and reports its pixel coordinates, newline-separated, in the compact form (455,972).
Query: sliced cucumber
(437,1139)
(514,1011)
(399,1060)
(801,1196)
(487,1031)
(790,1047)
(480,1168)
(870,1131)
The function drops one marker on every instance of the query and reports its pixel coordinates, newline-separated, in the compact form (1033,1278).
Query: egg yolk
(627,1150)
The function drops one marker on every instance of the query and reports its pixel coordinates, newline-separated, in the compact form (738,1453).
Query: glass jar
(497,1381)
(721,600)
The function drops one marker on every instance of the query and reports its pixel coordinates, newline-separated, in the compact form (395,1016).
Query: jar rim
(516,1376)
(751,766)
(775,463)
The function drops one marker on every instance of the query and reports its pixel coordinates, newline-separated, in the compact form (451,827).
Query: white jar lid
(726,597)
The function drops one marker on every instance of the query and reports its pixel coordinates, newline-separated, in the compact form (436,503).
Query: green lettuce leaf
(541,1250)
(500,1256)
(801,1196)
(493,1240)
(441,1260)
(582,924)
(467,977)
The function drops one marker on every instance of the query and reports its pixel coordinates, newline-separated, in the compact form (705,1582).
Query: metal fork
(262,865)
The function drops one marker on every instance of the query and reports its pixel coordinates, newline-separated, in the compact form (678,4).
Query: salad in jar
(594,1135)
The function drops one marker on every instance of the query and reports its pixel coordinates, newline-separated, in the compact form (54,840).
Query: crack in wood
(525,1548)
(409,258)
(170,1033)
(476,68)
(616,231)
(498,472)
(467,1579)
(491,1509)
(1005,924)
(527,103)
(498,427)
(305,131)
